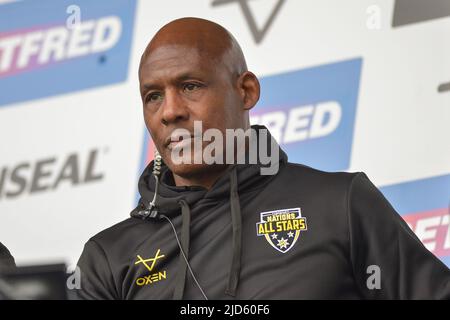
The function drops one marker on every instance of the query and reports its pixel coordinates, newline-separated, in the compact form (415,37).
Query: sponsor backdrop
(353,85)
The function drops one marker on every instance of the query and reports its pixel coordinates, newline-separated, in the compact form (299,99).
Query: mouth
(178,141)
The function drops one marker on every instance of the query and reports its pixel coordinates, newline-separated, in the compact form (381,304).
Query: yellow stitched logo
(153,260)
(281,228)
(154,277)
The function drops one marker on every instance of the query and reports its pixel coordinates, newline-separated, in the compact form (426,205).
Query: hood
(174,200)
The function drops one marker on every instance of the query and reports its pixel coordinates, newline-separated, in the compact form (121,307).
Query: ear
(249,89)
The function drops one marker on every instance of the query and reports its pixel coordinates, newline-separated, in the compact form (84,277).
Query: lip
(173,145)
(172,142)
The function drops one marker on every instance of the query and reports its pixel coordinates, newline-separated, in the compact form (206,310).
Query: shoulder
(331,191)
(315,178)
(121,233)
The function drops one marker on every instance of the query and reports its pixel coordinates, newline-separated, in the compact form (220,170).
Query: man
(226,231)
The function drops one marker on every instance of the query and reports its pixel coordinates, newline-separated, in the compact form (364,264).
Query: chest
(291,249)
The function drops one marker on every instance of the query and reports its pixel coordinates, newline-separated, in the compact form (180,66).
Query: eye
(153,97)
(190,87)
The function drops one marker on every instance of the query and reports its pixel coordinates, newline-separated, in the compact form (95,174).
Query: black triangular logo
(258,34)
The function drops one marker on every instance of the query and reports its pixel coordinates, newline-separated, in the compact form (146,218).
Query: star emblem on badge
(274,236)
(283,243)
(290,234)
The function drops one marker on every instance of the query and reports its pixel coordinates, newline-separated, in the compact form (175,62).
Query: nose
(174,108)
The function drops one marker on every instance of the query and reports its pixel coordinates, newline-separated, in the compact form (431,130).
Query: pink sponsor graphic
(433,229)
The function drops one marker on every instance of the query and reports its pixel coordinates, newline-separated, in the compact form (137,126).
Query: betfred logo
(302,123)
(311,113)
(432,228)
(41,48)
(424,205)
(30,49)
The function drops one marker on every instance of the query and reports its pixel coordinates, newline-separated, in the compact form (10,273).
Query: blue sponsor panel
(45,52)
(419,195)
(425,205)
(311,113)
(446,260)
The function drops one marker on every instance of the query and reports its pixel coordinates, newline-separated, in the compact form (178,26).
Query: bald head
(209,39)
(193,70)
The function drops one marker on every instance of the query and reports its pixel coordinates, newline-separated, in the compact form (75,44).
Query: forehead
(169,61)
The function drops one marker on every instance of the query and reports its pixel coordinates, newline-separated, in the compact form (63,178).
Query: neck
(204,178)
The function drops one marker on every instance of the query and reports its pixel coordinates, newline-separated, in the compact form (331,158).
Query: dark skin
(194,70)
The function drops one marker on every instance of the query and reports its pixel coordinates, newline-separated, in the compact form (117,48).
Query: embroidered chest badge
(281,228)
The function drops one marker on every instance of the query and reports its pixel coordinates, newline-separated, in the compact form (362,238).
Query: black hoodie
(299,234)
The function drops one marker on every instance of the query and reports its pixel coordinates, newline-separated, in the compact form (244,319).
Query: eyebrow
(179,78)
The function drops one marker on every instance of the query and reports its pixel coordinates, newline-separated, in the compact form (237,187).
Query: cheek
(232,113)
(147,122)
(222,110)
(151,124)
